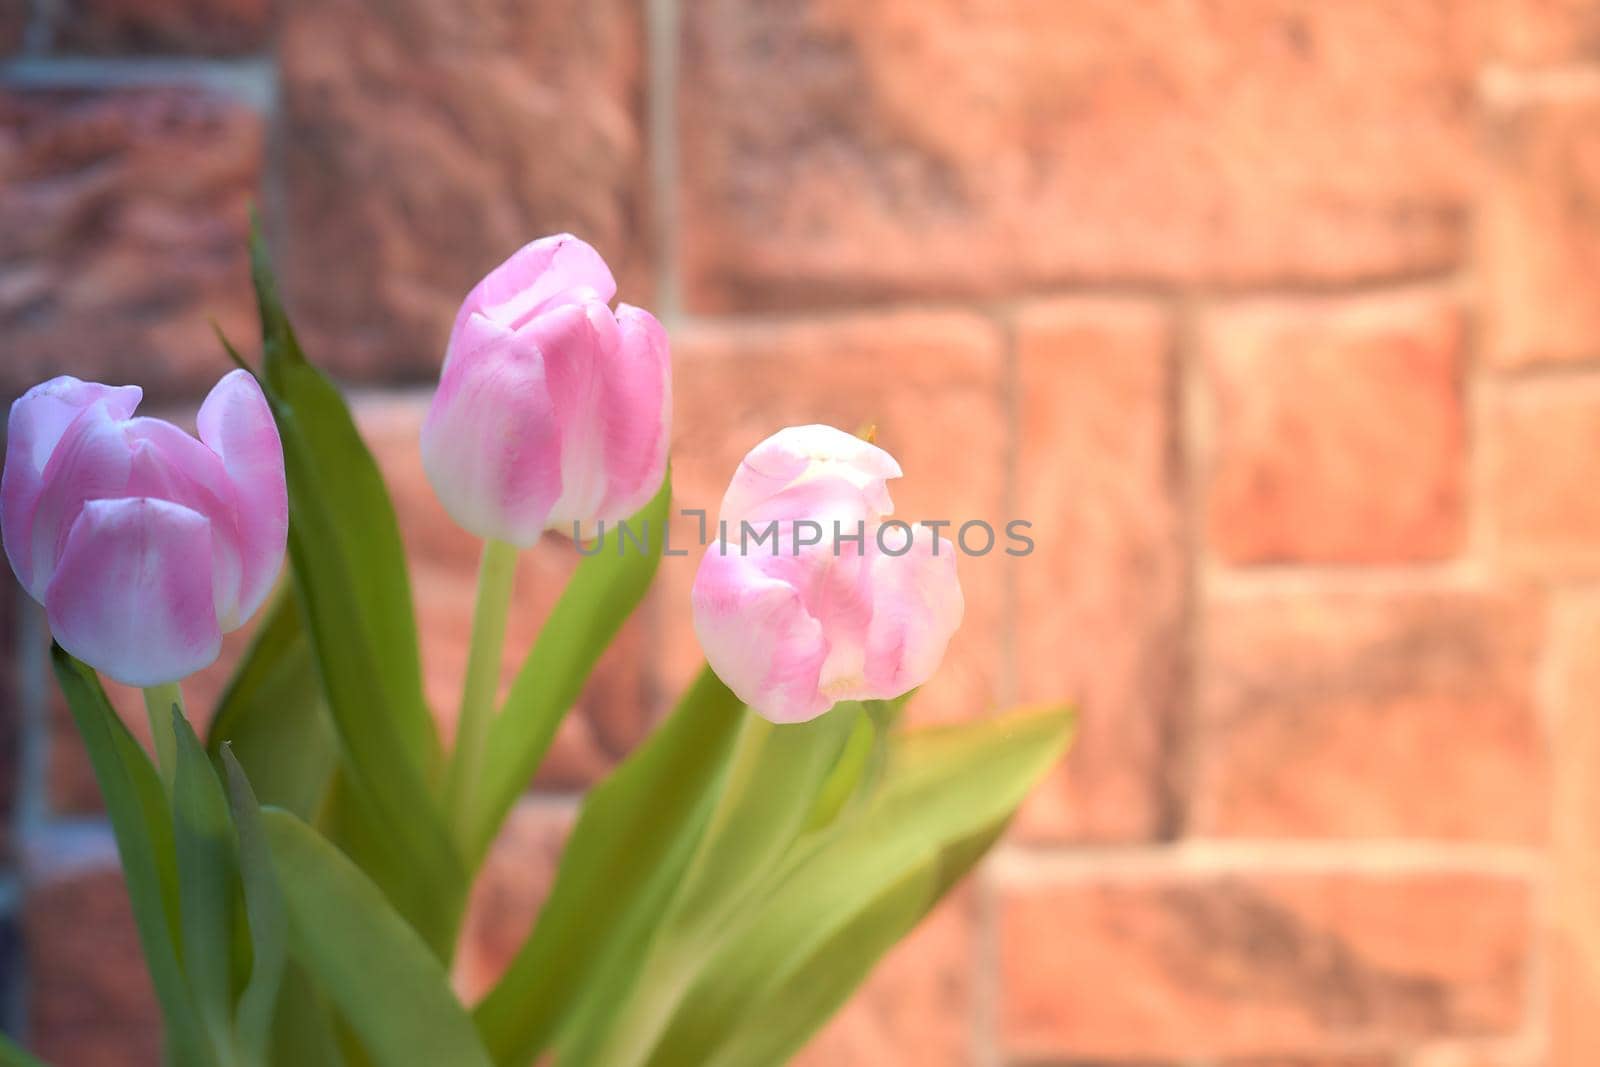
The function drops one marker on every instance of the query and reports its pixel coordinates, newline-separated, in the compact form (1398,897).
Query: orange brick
(1542,438)
(1338,430)
(1546,32)
(1248,141)
(1540,237)
(1368,716)
(932,385)
(1188,966)
(1100,600)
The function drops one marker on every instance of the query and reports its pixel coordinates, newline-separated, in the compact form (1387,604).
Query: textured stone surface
(89,999)
(122,234)
(918,1005)
(1190,966)
(204,27)
(425,142)
(1338,431)
(1100,599)
(929,382)
(1364,716)
(1241,141)
(1574,934)
(1542,438)
(1541,231)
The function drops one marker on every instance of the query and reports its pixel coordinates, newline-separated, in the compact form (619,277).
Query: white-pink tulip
(793,627)
(144,544)
(552,411)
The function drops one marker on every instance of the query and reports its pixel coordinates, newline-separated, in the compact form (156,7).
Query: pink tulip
(551,409)
(144,544)
(794,630)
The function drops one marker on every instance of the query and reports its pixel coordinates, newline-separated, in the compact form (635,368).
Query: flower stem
(496,572)
(159,701)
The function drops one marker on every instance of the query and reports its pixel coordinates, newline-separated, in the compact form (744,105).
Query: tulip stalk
(159,700)
(496,577)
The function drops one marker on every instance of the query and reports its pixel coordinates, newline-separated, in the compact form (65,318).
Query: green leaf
(207,878)
(384,979)
(141,821)
(632,842)
(264,909)
(351,579)
(274,717)
(14,1055)
(602,593)
(304,1031)
(858,887)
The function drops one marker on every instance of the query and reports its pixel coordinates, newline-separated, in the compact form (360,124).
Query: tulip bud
(144,544)
(793,627)
(552,411)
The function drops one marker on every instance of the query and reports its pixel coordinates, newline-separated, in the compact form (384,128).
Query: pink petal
(636,414)
(806,471)
(37,422)
(91,461)
(916,608)
(236,423)
(540,275)
(490,442)
(752,622)
(132,596)
(577,341)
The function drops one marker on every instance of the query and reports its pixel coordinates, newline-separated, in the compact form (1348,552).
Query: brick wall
(1280,319)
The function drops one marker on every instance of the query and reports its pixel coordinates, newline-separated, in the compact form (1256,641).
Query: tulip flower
(794,624)
(552,411)
(143,544)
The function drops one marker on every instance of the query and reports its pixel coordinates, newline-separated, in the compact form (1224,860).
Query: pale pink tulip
(793,630)
(144,544)
(551,409)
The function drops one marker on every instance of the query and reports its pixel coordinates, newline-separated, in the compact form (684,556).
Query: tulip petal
(550,271)
(576,342)
(752,622)
(236,423)
(916,608)
(635,414)
(91,461)
(491,445)
(798,469)
(128,596)
(39,418)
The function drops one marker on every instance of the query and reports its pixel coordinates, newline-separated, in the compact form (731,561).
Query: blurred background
(1278,319)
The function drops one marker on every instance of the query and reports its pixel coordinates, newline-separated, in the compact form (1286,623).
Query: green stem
(158,704)
(496,573)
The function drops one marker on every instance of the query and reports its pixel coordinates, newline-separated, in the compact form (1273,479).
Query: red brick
(90,1003)
(932,385)
(1575,827)
(917,1006)
(1542,437)
(1194,966)
(1247,141)
(1315,712)
(123,228)
(1541,232)
(1100,599)
(1546,32)
(1338,430)
(425,142)
(511,888)
(203,27)
(613,712)
(14,16)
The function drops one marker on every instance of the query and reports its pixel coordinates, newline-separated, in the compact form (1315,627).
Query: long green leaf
(141,821)
(264,909)
(14,1055)
(635,836)
(274,717)
(602,593)
(858,887)
(351,578)
(383,978)
(207,879)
